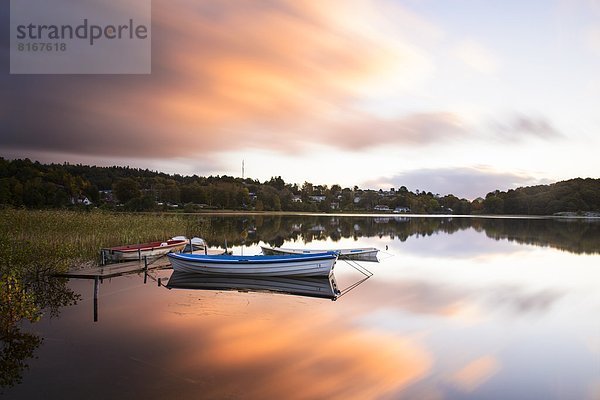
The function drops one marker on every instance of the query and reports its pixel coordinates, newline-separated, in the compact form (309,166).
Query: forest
(30,184)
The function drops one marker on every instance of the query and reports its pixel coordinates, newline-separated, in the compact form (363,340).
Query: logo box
(80,36)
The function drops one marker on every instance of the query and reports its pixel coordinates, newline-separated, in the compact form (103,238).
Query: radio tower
(242,169)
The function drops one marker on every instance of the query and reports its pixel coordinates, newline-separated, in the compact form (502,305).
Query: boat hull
(296,265)
(138,252)
(359,254)
(320,287)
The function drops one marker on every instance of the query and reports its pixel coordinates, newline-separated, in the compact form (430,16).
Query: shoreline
(389,215)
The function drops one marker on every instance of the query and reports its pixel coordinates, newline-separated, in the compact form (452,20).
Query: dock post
(102,257)
(139,254)
(191,247)
(96,291)
(159,282)
(145,269)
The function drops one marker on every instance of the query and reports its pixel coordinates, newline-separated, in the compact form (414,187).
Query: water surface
(457,308)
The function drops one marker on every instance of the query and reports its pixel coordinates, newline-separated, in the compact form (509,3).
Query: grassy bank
(54,240)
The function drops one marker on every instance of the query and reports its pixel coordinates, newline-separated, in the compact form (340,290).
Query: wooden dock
(124,268)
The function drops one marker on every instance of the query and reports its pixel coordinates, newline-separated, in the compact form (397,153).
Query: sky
(457,96)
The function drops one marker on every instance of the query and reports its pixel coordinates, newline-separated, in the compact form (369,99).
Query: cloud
(462,182)
(413,129)
(591,38)
(476,56)
(520,126)
(226,75)
(475,373)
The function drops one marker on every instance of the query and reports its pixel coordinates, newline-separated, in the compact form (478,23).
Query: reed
(55,240)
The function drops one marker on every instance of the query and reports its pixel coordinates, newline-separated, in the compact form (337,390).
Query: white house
(380,207)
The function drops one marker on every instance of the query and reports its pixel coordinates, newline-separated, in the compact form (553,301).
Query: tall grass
(55,240)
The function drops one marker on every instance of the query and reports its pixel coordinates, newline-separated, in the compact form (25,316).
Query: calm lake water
(457,308)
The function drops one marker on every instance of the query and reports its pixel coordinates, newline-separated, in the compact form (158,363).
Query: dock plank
(123,268)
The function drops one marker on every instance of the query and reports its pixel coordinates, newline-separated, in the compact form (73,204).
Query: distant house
(106,195)
(399,210)
(335,205)
(296,199)
(386,193)
(81,200)
(380,207)
(318,198)
(357,200)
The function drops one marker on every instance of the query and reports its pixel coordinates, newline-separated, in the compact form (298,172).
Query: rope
(155,259)
(353,286)
(389,255)
(358,267)
(354,264)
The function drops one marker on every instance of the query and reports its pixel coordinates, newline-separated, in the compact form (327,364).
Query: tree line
(571,196)
(580,236)
(24,183)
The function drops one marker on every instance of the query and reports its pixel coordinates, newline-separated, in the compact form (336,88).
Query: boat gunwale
(342,252)
(252,260)
(149,246)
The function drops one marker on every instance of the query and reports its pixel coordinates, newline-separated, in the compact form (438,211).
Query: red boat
(139,251)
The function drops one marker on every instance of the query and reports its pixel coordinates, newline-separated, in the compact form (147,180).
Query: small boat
(196,244)
(139,251)
(289,265)
(324,287)
(358,254)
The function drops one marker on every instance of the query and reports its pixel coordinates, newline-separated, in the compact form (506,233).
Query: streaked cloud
(468,182)
(591,38)
(227,75)
(521,126)
(475,373)
(476,56)
(414,129)
(389,86)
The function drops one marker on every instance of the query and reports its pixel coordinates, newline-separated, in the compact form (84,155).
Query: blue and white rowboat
(281,265)
(357,254)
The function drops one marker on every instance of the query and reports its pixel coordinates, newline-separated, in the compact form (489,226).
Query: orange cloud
(475,373)
(229,75)
(477,57)
(414,129)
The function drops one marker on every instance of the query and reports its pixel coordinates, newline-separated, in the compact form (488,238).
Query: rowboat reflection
(320,287)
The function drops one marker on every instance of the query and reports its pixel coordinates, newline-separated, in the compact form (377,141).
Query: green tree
(277,182)
(493,205)
(126,189)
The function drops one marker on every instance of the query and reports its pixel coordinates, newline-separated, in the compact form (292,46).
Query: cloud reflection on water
(277,356)
(476,372)
(473,317)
